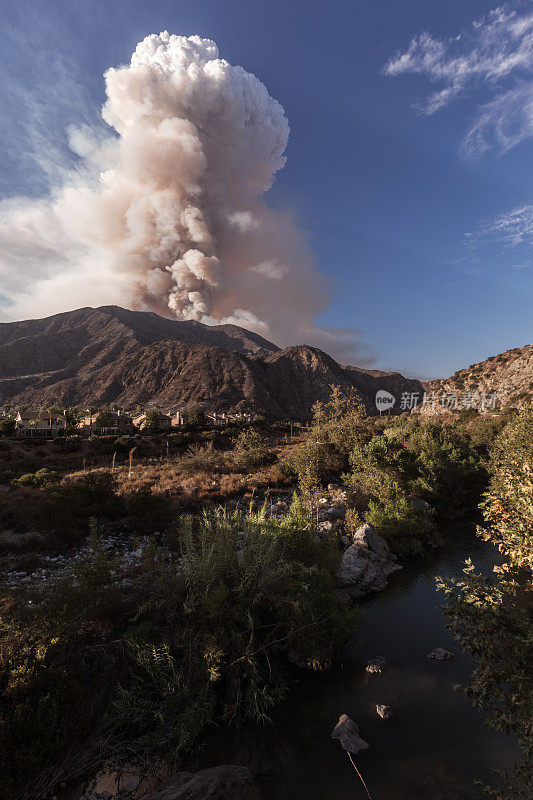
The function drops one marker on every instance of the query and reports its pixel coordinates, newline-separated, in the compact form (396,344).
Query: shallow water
(436,745)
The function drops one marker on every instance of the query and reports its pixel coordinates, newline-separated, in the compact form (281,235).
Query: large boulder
(367,536)
(365,565)
(347,732)
(227,782)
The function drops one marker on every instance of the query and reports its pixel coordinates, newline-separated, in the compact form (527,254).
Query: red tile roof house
(106,423)
(36,424)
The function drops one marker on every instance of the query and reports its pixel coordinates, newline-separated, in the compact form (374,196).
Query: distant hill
(111,355)
(510,374)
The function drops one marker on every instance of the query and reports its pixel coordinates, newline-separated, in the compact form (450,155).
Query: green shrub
(38,480)
(491,616)
(314,463)
(251,451)
(410,462)
(407,527)
(196,418)
(451,475)
(70,444)
(91,671)
(338,426)
(508,504)
(82,497)
(147,510)
(8,427)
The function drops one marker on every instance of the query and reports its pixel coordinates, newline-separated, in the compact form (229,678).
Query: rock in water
(440,654)
(365,565)
(385,712)
(366,536)
(227,782)
(376,664)
(347,732)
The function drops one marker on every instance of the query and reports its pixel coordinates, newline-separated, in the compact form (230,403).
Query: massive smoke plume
(167,212)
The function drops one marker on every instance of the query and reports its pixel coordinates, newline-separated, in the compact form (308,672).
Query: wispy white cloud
(512,228)
(502,123)
(45,98)
(496,52)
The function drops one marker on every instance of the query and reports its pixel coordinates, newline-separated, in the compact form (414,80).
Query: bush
(411,463)
(82,497)
(337,427)
(200,458)
(251,451)
(451,475)
(38,480)
(196,418)
(91,671)
(508,504)
(8,427)
(70,444)
(490,616)
(313,464)
(408,527)
(146,509)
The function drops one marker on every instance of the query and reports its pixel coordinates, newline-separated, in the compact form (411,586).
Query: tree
(490,616)
(71,416)
(196,418)
(104,420)
(151,419)
(340,421)
(8,427)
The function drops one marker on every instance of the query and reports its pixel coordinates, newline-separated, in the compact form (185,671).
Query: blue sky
(412,182)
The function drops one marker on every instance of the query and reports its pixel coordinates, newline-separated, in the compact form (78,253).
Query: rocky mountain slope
(509,374)
(110,355)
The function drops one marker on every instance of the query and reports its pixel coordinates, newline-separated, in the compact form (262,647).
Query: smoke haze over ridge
(167,211)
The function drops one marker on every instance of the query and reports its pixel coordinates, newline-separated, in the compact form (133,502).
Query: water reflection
(434,747)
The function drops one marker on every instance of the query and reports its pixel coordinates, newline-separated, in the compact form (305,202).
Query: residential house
(38,425)
(217,418)
(106,423)
(157,420)
(178,418)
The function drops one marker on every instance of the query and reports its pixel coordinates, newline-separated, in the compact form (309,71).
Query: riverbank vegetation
(491,616)
(403,471)
(229,586)
(200,631)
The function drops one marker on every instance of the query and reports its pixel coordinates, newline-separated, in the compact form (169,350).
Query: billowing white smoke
(168,214)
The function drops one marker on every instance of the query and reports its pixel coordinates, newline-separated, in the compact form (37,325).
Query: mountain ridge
(508,374)
(110,355)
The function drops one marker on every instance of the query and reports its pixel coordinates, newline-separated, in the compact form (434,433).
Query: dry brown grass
(170,479)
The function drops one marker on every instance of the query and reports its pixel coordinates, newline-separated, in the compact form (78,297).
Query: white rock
(366,536)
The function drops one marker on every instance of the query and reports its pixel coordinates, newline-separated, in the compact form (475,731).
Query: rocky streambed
(365,566)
